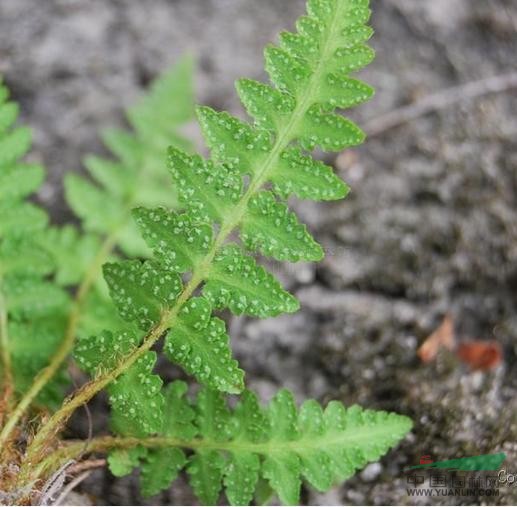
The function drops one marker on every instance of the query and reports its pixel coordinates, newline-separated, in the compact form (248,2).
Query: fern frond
(230,192)
(198,267)
(31,307)
(233,449)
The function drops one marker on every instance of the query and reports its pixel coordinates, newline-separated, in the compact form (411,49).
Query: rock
(371,472)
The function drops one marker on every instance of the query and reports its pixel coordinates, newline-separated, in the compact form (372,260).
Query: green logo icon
(482,462)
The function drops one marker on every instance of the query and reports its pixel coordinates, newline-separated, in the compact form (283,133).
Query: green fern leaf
(124,146)
(21,255)
(306,178)
(282,470)
(239,190)
(20,180)
(345,92)
(141,290)
(33,298)
(287,71)
(206,466)
(213,416)
(161,466)
(122,461)
(206,473)
(240,477)
(282,467)
(98,212)
(282,415)
(272,229)
(13,145)
(136,400)
(199,343)
(315,463)
(178,241)
(322,446)
(209,193)
(100,313)
(330,132)
(242,471)
(110,174)
(72,252)
(135,176)
(232,141)
(179,416)
(8,112)
(253,424)
(269,107)
(160,469)
(24,218)
(104,352)
(155,113)
(236,281)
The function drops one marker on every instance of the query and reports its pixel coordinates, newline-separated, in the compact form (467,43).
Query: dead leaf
(443,336)
(480,354)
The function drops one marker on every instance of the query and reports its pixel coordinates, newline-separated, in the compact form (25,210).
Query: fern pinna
(199,267)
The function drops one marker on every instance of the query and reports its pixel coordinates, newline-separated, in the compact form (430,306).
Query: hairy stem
(45,375)
(285,136)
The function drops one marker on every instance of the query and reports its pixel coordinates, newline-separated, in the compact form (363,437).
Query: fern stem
(284,138)
(45,375)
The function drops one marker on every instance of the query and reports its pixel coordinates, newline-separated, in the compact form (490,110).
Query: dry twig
(86,465)
(71,486)
(441,100)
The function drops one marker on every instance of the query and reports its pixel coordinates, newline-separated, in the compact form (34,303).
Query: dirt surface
(430,226)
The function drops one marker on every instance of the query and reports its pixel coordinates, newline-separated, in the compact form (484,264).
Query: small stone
(371,472)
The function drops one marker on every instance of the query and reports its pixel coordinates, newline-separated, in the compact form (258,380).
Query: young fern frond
(197,268)
(32,309)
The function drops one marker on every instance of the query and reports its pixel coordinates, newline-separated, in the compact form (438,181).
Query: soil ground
(430,227)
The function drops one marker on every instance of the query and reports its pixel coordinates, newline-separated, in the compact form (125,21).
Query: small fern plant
(197,260)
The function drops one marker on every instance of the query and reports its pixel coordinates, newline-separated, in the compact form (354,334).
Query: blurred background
(429,229)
